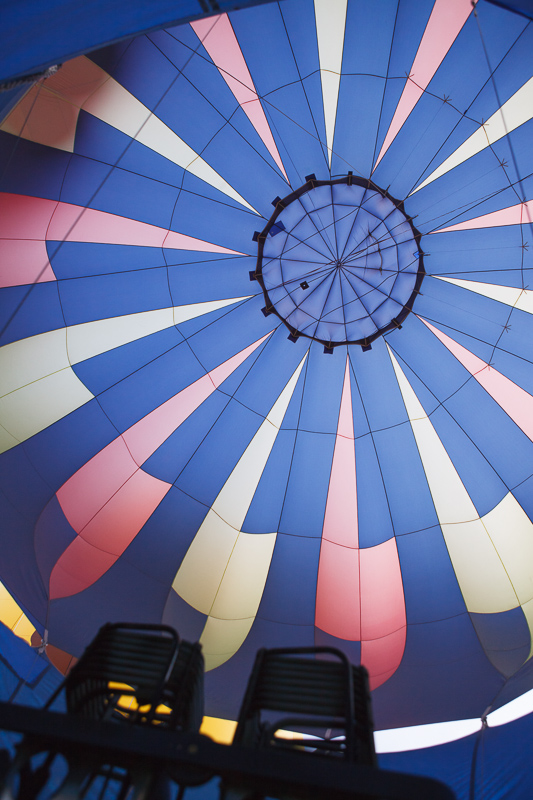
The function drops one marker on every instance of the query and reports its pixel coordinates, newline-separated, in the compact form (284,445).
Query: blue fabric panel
(410,504)
(374,518)
(138,394)
(49,450)
(305,501)
(493,764)
(172,457)
(482,483)
(186,620)
(20,659)
(105,370)
(81,259)
(74,621)
(31,169)
(505,638)
(18,570)
(352,650)
(162,542)
(29,310)
(441,654)
(89,183)
(53,534)
(429,583)
(86,299)
(204,475)
(266,508)
(284,598)
(66,30)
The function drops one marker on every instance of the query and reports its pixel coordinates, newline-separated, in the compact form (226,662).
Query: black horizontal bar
(269,772)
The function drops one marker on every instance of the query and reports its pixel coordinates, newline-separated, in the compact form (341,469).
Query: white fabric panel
(92,338)
(208,556)
(482,577)
(330,20)
(234,565)
(511,296)
(31,359)
(7,441)
(221,638)
(242,586)
(113,104)
(37,405)
(234,498)
(28,367)
(511,531)
(517,110)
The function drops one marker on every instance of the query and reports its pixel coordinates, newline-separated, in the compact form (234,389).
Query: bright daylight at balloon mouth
(266,399)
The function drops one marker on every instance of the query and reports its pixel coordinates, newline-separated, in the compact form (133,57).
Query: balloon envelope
(170,454)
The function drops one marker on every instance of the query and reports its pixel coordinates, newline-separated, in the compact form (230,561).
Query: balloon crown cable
(339,262)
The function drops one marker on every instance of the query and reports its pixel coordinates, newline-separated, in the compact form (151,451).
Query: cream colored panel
(330,26)
(202,569)
(113,104)
(244,580)
(221,638)
(212,548)
(34,407)
(7,441)
(30,359)
(517,110)
(518,298)
(482,577)
(234,499)
(511,531)
(92,338)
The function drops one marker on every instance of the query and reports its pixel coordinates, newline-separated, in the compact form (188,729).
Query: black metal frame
(321,690)
(281,203)
(190,757)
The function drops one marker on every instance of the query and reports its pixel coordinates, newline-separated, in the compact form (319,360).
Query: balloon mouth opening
(339,262)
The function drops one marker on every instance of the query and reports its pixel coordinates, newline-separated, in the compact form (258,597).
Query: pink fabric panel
(443,27)
(109,533)
(78,568)
(382,657)
(77,224)
(23,217)
(83,495)
(90,488)
(340,519)
(145,436)
(24,261)
(382,598)
(338,608)
(118,522)
(514,400)
(514,215)
(218,38)
(220,373)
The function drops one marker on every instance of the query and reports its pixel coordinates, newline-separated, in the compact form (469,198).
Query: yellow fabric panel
(207,556)
(511,531)
(221,638)
(220,730)
(13,617)
(36,406)
(482,577)
(245,576)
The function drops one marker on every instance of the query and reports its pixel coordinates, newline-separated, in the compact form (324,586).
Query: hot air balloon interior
(266,354)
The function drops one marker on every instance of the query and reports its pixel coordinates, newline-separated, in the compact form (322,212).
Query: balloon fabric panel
(196,226)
